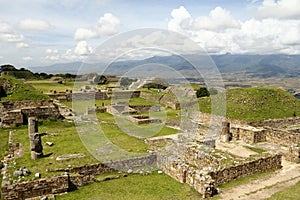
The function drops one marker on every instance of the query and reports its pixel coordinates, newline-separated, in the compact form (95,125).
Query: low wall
(121,165)
(16,105)
(153,108)
(246,169)
(282,137)
(64,183)
(82,96)
(125,94)
(53,185)
(248,134)
(277,123)
(205,179)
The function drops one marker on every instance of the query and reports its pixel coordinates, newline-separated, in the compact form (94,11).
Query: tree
(202,92)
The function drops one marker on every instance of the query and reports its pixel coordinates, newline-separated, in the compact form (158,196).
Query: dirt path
(264,187)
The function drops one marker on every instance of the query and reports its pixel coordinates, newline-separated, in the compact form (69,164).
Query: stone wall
(64,183)
(282,137)
(53,185)
(147,108)
(82,96)
(125,94)
(16,105)
(277,123)
(17,112)
(205,179)
(248,134)
(246,169)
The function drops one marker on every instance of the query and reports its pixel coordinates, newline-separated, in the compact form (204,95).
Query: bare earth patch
(236,148)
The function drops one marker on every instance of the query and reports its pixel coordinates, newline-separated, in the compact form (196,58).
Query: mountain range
(258,65)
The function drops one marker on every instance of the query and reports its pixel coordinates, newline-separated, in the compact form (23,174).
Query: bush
(202,92)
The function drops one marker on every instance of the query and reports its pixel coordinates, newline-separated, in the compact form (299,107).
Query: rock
(129,171)
(70,156)
(159,172)
(26,172)
(37,175)
(49,143)
(18,173)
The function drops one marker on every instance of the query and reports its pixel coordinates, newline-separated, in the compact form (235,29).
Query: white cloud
(11,37)
(27,58)
(5,27)
(279,9)
(220,32)
(21,45)
(218,19)
(83,33)
(181,18)
(82,48)
(8,34)
(31,24)
(107,25)
(51,51)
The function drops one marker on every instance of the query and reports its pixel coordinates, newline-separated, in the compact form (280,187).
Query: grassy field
(19,91)
(135,187)
(291,193)
(46,85)
(253,104)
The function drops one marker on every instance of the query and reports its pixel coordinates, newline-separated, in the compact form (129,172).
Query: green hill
(253,104)
(13,89)
(18,73)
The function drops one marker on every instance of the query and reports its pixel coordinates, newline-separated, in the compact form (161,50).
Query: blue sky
(42,32)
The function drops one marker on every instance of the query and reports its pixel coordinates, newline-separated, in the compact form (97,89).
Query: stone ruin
(36,147)
(14,113)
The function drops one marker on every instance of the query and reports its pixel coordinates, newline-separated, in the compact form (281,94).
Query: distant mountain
(259,65)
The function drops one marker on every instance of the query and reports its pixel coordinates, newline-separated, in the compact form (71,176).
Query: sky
(43,32)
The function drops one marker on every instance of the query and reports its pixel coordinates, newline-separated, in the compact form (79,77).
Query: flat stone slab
(70,156)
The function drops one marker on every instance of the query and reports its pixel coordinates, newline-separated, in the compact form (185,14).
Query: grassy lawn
(19,91)
(3,146)
(245,180)
(66,141)
(291,193)
(135,187)
(46,85)
(253,104)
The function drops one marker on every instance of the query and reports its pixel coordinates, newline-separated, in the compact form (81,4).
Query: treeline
(23,73)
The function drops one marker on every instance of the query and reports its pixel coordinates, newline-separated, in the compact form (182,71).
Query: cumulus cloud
(107,25)
(181,18)
(8,34)
(11,37)
(27,58)
(21,45)
(218,19)
(51,51)
(5,27)
(82,48)
(219,32)
(279,9)
(83,33)
(33,24)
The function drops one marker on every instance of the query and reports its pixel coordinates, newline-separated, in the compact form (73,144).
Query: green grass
(66,141)
(19,91)
(245,180)
(3,147)
(46,85)
(253,104)
(287,194)
(255,149)
(135,187)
